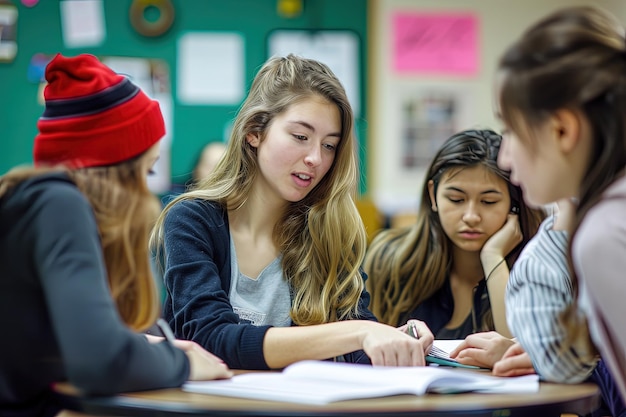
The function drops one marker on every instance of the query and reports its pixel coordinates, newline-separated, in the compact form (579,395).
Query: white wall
(395,189)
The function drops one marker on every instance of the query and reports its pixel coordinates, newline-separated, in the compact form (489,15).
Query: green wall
(39,31)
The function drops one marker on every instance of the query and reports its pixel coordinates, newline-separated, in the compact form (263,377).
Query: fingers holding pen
(419,330)
(386,346)
(422,333)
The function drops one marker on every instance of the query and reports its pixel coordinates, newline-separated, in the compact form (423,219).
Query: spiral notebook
(440,354)
(322,382)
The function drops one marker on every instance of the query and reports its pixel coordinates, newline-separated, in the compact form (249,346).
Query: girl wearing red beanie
(77,283)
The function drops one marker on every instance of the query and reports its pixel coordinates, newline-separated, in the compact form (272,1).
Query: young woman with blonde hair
(262,259)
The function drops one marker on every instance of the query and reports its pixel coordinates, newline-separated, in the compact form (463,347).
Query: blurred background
(415,71)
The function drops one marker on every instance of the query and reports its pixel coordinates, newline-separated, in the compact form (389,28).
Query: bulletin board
(39,31)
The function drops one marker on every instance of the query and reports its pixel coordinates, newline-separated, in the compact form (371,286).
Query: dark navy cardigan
(197,280)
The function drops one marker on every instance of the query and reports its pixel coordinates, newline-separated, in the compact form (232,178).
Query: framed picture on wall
(421,117)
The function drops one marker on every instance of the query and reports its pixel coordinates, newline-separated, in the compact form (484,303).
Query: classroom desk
(551,400)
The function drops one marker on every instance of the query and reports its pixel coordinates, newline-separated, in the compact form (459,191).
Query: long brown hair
(321,238)
(125,211)
(574,58)
(407,265)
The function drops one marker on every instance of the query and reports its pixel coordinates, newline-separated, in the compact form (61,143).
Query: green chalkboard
(39,31)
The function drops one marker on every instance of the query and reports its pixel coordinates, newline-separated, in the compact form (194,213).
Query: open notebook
(322,382)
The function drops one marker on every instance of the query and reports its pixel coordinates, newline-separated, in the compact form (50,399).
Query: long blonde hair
(408,265)
(321,238)
(125,211)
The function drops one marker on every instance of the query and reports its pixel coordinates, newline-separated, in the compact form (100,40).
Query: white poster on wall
(82,23)
(210,68)
(339,49)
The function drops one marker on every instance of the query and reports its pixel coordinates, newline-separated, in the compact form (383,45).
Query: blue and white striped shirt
(538,291)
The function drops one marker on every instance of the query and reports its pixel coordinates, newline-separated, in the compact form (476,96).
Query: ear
(567,126)
(253,139)
(431,194)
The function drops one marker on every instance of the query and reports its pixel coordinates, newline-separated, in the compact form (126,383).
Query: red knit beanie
(93,116)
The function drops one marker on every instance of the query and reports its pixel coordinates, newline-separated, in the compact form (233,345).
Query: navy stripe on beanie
(93,104)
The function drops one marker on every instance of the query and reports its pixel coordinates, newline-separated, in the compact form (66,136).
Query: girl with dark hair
(450,268)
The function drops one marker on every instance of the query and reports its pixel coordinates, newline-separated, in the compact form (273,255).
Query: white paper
(82,22)
(321,382)
(211,68)
(447,345)
(337,49)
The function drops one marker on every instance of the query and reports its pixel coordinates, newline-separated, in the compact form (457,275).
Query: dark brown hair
(408,265)
(573,59)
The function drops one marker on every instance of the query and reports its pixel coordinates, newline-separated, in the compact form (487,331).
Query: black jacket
(58,319)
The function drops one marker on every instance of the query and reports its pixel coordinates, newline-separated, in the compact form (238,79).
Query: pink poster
(443,43)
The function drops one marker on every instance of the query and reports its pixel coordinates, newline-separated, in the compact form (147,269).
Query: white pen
(413,330)
(166,330)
